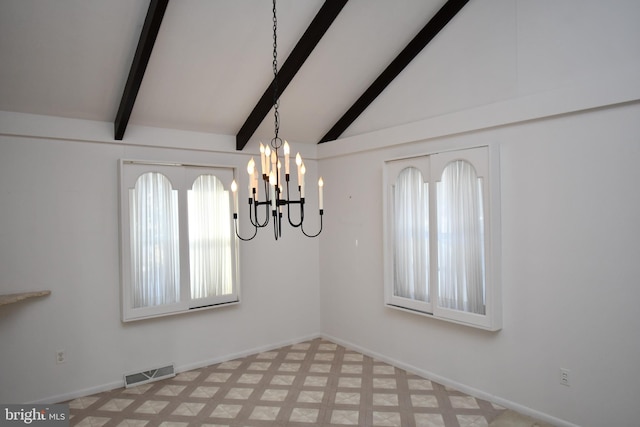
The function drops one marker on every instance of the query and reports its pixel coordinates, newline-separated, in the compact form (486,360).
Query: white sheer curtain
(411,235)
(461,278)
(209,238)
(155,259)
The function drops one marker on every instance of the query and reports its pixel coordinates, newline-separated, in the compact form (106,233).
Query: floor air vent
(138,378)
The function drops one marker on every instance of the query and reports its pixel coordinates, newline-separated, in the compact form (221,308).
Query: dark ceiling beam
(150,29)
(433,27)
(320,24)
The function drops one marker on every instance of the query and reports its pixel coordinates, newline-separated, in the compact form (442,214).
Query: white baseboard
(78,393)
(453,384)
(179,368)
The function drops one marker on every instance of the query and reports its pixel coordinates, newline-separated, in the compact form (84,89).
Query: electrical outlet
(565,378)
(61,356)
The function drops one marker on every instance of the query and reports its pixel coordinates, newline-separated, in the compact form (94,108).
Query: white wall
(59,231)
(569,139)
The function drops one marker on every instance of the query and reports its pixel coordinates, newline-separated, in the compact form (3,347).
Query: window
(441,236)
(179,251)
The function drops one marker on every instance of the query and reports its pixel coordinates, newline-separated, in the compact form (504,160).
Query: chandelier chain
(276,98)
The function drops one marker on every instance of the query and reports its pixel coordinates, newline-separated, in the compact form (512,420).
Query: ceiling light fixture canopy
(271,170)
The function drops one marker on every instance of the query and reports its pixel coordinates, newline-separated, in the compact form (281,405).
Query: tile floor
(315,383)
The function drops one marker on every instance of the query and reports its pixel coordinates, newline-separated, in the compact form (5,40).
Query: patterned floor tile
(353,357)
(232,364)
(170,390)
(296,356)
(345,417)
(420,384)
(343,398)
(273,395)
(93,422)
(250,378)
(267,355)
(385,399)
(133,423)
(472,421)
(304,415)
(429,420)
(83,402)
(151,407)
(324,368)
(351,369)
(314,381)
(218,377)
(311,396)
(205,391)
(350,382)
(259,366)
(173,424)
(187,376)
(226,411)
(265,413)
(384,383)
(283,379)
(189,409)
(383,370)
(424,400)
(116,405)
(239,393)
(386,419)
(464,402)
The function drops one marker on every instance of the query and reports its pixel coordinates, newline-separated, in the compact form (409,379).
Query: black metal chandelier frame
(274,197)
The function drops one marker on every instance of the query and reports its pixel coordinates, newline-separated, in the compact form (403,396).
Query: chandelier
(276,200)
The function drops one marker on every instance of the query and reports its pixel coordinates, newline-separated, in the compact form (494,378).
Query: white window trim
(492,320)
(186,304)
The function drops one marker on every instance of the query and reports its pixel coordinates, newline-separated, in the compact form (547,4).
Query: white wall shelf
(13,298)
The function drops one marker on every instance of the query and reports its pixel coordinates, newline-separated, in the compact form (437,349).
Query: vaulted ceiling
(206,65)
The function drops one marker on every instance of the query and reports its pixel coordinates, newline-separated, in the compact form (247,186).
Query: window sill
(178,312)
(477,325)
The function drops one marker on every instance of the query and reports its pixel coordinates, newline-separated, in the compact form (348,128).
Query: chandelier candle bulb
(234,189)
(262,159)
(303,170)
(320,198)
(286,158)
(256,187)
(251,171)
(272,190)
(267,160)
(274,163)
(298,163)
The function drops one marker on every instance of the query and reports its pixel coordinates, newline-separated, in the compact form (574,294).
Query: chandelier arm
(320,231)
(253,212)
(291,202)
(235,226)
(267,204)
